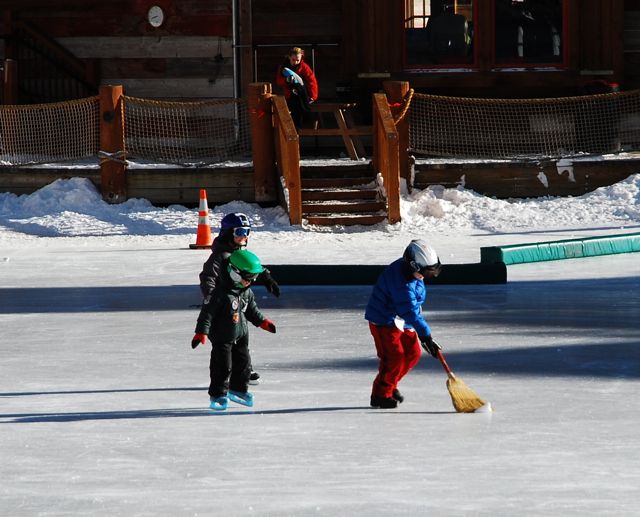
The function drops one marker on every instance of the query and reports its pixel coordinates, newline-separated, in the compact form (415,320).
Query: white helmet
(422,258)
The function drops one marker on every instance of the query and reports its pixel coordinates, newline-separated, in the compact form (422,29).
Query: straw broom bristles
(464,398)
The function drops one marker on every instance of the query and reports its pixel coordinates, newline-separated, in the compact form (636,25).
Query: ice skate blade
(219,404)
(245,399)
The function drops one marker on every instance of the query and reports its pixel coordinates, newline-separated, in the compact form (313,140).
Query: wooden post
(288,148)
(396,92)
(245,52)
(113,177)
(262,142)
(10,80)
(10,76)
(386,162)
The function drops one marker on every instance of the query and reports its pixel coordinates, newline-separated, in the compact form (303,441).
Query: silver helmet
(422,258)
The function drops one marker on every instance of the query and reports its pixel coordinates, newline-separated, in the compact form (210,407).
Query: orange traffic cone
(203,238)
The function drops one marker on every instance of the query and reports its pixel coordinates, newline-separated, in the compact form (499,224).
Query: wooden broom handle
(445,365)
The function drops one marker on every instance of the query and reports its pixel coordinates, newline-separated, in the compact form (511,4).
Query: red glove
(268,325)
(198,339)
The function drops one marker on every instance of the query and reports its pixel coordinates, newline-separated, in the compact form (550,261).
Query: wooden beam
(10,81)
(245,53)
(262,141)
(112,166)
(85,5)
(335,131)
(396,94)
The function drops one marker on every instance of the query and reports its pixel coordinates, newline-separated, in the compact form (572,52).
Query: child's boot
(218,403)
(246,398)
(383,402)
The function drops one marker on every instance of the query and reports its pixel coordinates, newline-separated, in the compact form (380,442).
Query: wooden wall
(160,186)
(522,180)
(631,41)
(279,25)
(357,42)
(175,60)
(370,38)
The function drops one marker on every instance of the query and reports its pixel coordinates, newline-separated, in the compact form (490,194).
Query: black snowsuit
(222,247)
(224,319)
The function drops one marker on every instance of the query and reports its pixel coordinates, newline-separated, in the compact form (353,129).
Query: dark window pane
(528,31)
(445,38)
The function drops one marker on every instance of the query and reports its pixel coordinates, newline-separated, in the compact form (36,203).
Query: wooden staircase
(341,195)
(46,71)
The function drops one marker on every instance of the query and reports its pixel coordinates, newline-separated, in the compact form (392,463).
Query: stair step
(334,182)
(341,194)
(337,171)
(342,207)
(346,219)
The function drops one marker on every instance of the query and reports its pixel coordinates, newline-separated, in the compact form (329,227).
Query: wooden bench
(346,127)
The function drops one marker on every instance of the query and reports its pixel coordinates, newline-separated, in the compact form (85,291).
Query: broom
(464,398)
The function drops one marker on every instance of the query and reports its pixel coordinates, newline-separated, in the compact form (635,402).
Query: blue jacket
(396,294)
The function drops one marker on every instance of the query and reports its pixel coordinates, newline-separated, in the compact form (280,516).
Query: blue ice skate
(246,399)
(219,403)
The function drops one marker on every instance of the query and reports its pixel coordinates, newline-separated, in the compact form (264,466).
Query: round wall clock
(155,16)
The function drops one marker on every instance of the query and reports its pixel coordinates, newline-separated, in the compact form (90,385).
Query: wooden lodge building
(202,50)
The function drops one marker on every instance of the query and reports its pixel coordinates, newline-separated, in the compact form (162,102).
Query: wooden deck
(344,127)
(526,179)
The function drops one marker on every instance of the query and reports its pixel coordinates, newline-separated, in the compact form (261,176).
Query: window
(528,31)
(449,33)
(438,32)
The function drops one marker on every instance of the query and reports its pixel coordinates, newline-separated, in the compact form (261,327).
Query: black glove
(270,284)
(429,345)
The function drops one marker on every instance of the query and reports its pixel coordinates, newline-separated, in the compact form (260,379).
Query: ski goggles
(237,275)
(241,231)
(434,270)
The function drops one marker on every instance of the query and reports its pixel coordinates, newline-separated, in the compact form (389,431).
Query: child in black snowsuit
(224,320)
(235,229)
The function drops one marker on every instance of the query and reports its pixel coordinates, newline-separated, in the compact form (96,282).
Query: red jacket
(305,73)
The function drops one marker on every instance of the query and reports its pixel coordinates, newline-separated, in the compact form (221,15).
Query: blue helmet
(234,220)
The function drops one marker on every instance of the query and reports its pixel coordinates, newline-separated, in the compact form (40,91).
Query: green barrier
(451,274)
(558,250)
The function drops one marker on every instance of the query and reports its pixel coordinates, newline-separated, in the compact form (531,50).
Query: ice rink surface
(104,404)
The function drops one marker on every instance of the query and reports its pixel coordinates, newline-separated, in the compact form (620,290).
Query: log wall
(161,186)
(188,56)
(522,180)
(631,40)
(279,25)
(359,42)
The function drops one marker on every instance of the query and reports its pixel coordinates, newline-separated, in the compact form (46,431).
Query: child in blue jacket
(394,313)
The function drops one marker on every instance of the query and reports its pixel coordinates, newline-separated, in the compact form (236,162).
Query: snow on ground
(74,209)
(104,404)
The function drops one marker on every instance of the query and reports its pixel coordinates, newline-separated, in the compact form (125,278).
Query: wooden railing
(287,157)
(41,71)
(385,158)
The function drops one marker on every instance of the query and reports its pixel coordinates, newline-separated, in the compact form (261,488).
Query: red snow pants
(398,351)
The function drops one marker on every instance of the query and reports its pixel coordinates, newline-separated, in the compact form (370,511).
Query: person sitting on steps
(299,84)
